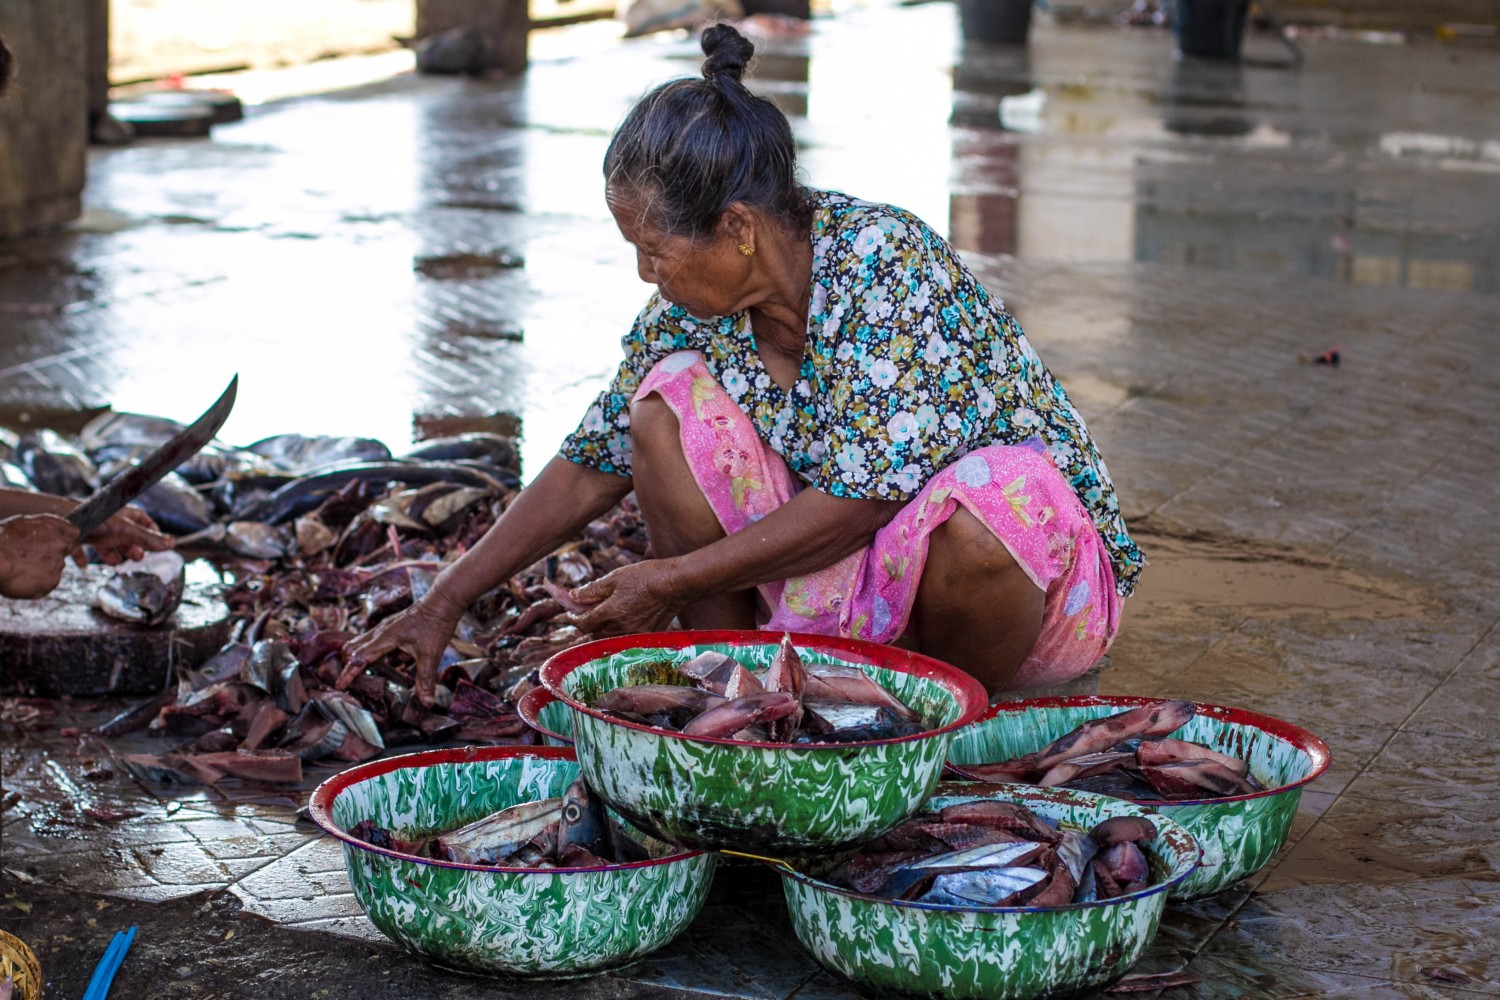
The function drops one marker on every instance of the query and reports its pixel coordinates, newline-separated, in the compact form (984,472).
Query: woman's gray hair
(692,147)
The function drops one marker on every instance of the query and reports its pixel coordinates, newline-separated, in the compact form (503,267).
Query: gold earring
(747,250)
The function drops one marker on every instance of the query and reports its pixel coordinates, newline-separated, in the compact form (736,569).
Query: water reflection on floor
(423,254)
(287,246)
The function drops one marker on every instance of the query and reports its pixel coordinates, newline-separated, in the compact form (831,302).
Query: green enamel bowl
(552,719)
(761,798)
(1239,834)
(994,952)
(555,923)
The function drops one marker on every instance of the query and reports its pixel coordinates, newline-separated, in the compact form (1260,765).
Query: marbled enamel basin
(1239,834)
(552,719)
(519,921)
(764,798)
(998,953)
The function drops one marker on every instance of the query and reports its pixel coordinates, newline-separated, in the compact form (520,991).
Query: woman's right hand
(422,630)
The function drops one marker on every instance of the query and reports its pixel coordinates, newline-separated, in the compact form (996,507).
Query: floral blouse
(909,365)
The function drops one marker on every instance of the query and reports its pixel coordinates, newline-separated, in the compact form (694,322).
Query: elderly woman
(829,424)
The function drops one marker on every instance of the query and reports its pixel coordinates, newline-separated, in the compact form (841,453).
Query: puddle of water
(1262,582)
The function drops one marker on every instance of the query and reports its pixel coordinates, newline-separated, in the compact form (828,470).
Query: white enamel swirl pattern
(536,923)
(1001,954)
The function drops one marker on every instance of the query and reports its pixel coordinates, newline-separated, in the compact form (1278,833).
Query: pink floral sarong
(1015,490)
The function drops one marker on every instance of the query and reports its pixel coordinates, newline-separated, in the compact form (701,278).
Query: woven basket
(17,962)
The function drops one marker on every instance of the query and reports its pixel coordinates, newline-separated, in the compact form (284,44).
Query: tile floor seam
(1228,917)
(1463,447)
(802,985)
(1478,643)
(1385,980)
(265,862)
(29,367)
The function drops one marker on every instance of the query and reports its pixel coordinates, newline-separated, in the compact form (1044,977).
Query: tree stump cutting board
(61,644)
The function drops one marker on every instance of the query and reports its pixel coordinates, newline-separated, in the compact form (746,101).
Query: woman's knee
(963,547)
(654,428)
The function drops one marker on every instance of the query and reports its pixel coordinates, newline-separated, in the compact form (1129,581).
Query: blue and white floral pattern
(909,364)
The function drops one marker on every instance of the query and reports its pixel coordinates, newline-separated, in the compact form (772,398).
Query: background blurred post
(503,25)
(43,116)
(96,57)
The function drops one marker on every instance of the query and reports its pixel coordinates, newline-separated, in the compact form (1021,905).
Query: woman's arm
(563,499)
(556,506)
(810,532)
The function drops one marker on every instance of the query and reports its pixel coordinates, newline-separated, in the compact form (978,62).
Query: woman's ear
(738,224)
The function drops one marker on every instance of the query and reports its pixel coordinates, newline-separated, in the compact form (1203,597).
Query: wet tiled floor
(1179,241)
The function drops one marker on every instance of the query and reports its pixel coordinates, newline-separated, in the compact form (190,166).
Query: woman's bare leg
(678,517)
(976,608)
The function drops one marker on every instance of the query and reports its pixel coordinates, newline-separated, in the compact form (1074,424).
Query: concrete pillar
(503,24)
(44,115)
(97,56)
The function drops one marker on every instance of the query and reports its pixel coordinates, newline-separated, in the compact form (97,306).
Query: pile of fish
(985,853)
(316,540)
(786,703)
(573,831)
(1128,755)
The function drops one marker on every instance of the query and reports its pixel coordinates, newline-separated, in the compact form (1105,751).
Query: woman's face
(707,277)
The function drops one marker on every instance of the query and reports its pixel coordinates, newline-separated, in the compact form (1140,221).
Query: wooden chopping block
(62,645)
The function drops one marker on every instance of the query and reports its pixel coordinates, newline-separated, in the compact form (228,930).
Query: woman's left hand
(634,598)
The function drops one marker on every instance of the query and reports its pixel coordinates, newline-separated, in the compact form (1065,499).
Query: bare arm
(563,499)
(555,507)
(128,534)
(14,501)
(810,532)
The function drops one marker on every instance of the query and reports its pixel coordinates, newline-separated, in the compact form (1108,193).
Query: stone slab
(61,645)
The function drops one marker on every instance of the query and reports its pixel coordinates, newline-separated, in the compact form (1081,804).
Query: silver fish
(340,707)
(986,856)
(987,887)
(299,453)
(113,428)
(835,682)
(496,837)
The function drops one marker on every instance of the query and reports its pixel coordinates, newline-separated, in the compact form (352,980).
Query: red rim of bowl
(320,805)
(529,707)
(949,790)
(1316,749)
(967,691)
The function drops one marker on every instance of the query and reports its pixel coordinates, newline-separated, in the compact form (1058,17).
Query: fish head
(582,822)
(145,591)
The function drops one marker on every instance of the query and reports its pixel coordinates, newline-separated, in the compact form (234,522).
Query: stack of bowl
(815,802)
(551,719)
(808,805)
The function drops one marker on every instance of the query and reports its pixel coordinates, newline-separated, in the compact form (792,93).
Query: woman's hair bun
(727,50)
